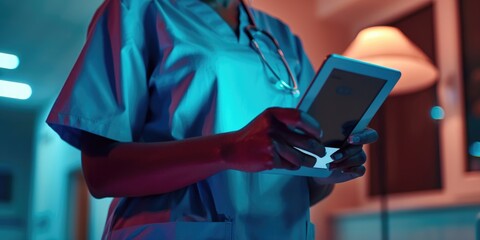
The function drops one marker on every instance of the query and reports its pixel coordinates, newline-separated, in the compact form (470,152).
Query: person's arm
(138,169)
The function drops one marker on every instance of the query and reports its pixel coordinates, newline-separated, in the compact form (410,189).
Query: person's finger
(366,136)
(349,173)
(291,158)
(354,161)
(299,140)
(355,172)
(283,157)
(298,121)
(345,153)
(339,176)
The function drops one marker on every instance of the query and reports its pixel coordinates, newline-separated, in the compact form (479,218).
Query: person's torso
(208,81)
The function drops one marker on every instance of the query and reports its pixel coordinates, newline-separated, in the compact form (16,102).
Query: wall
(54,161)
(459,186)
(319,37)
(16,141)
(41,163)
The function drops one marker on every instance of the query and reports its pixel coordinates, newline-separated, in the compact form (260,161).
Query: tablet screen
(344,96)
(342,102)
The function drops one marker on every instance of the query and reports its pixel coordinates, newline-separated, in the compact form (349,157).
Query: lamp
(388,46)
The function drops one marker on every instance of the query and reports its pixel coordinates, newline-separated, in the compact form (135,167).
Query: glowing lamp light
(15,90)
(8,61)
(388,46)
(437,113)
(475,149)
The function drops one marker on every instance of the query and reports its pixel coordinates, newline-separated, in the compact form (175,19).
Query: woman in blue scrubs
(177,111)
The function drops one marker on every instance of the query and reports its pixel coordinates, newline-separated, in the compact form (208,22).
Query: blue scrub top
(163,70)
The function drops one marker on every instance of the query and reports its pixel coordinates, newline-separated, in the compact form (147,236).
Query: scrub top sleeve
(106,92)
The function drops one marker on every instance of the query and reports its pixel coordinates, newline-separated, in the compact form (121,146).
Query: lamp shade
(388,46)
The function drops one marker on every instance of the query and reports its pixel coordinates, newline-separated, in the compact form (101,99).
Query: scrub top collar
(214,21)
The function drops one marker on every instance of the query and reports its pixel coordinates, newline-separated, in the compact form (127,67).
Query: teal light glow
(8,61)
(15,90)
(475,149)
(437,113)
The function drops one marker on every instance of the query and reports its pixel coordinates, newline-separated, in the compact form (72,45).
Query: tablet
(344,96)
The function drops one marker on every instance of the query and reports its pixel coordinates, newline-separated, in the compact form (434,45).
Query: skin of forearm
(114,169)
(142,169)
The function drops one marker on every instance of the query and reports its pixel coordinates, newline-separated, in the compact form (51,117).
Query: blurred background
(423,174)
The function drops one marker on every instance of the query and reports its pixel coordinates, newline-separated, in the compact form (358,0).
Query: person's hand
(268,141)
(348,161)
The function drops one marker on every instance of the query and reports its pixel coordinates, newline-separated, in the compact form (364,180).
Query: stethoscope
(251,30)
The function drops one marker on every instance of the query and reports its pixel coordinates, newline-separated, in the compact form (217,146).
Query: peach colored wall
(459,187)
(319,38)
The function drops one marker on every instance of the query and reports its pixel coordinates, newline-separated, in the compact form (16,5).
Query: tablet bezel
(335,61)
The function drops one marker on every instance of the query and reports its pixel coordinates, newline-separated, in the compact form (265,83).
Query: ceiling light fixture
(15,90)
(8,61)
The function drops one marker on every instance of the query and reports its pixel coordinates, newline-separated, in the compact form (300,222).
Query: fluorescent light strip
(15,90)
(8,61)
